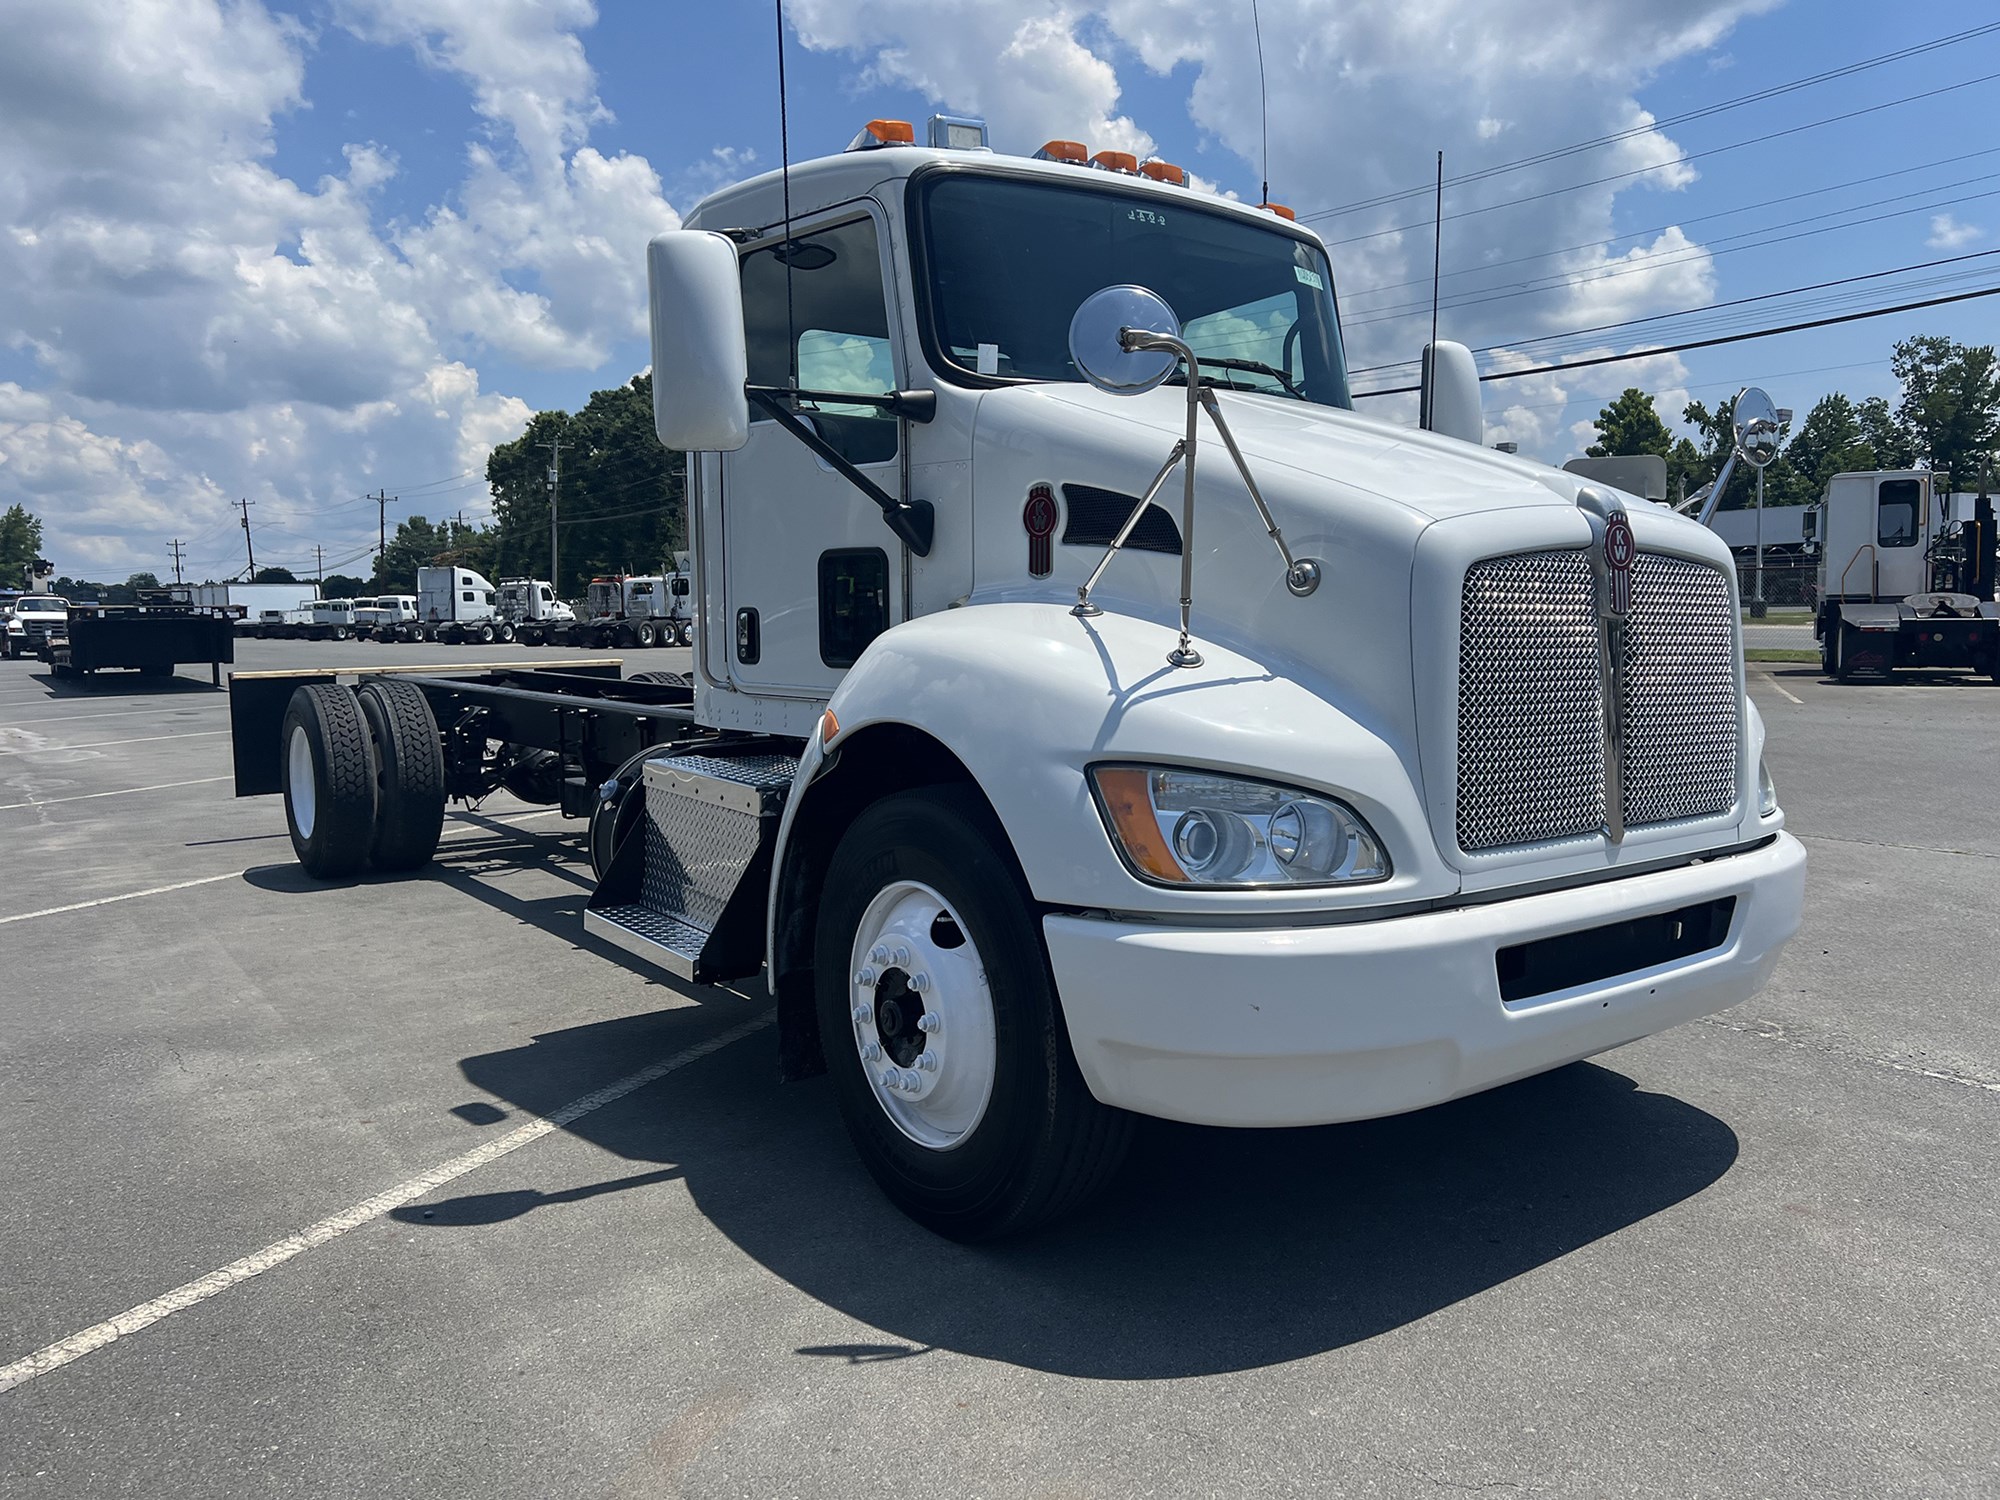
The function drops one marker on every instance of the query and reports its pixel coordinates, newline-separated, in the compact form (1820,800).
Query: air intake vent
(1095,516)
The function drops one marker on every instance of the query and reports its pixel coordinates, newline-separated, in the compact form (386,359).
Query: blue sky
(297,252)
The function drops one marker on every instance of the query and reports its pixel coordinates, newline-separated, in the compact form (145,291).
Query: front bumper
(1310,1025)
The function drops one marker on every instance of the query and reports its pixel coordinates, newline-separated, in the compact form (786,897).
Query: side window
(1896,512)
(833,330)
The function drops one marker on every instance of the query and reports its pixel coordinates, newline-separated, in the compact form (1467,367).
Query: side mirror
(1450,400)
(1098,351)
(1755,421)
(699,360)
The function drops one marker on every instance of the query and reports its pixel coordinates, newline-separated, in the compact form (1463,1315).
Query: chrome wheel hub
(922,1016)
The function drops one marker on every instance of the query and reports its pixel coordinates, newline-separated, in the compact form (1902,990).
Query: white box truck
(1094,715)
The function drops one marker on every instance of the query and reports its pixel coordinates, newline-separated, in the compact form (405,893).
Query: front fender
(1027,696)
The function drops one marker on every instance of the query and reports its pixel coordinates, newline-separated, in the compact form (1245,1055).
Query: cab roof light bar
(879,133)
(1164,171)
(958,133)
(1074,152)
(1280,210)
(1123,162)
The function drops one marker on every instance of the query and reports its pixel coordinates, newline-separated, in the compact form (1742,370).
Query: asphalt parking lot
(297,1141)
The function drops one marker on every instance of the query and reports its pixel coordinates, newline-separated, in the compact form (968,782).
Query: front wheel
(942,1032)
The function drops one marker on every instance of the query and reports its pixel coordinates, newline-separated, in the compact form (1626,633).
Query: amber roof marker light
(879,133)
(1074,152)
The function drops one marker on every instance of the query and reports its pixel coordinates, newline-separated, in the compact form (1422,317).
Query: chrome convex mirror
(1097,345)
(1754,425)
(1126,340)
(1755,421)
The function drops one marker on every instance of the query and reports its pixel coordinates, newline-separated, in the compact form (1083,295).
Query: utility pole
(554,445)
(382,502)
(319,561)
(176,544)
(248,547)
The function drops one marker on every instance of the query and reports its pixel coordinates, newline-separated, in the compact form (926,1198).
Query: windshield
(1010,261)
(43,606)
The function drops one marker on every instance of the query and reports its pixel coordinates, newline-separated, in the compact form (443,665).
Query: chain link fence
(1791,581)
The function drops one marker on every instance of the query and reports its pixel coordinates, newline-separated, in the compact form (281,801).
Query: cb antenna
(1263,103)
(785,181)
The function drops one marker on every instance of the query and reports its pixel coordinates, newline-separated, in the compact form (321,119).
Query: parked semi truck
(1094,716)
(456,605)
(1906,575)
(530,608)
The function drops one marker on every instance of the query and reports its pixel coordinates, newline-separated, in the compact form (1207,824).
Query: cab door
(811,573)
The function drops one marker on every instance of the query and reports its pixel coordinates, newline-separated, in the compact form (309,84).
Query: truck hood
(1429,475)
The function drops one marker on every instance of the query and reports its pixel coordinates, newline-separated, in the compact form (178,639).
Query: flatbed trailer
(152,639)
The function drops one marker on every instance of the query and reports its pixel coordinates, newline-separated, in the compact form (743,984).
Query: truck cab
(1094,715)
(30,621)
(1905,578)
(456,605)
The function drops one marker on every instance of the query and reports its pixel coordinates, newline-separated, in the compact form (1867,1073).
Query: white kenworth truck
(1092,715)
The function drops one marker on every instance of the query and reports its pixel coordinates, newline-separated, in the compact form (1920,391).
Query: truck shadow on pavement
(1215,1251)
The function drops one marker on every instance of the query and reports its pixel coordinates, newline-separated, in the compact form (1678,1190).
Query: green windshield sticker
(1310,278)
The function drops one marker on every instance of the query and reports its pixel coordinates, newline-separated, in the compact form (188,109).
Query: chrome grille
(1530,698)
(1530,701)
(1677,692)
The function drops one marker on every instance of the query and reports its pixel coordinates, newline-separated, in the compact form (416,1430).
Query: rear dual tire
(363,778)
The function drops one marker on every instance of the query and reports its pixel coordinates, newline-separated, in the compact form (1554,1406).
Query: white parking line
(116,713)
(127,791)
(200,734)
(56,1355)
(1773,682)
(158,890)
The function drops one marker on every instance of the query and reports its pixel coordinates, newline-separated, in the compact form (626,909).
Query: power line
(1732,338)
(1348,296)
(1577,187)
(1644,264)
(1711,307)
(1635,131)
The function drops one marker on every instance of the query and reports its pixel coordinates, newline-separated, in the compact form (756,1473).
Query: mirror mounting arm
(917,406)
(914,521)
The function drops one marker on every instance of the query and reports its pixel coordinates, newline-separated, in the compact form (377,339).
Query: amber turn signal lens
(1123,790)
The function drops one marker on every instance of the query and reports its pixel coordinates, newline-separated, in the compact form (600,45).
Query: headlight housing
(1767,791)
(1205,830)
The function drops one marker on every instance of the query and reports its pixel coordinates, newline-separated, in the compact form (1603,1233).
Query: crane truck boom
(1092,714)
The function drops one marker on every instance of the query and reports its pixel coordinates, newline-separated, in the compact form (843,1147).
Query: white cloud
(205,327)
(1947,233)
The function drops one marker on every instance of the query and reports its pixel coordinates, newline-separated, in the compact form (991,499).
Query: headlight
(1198,828)
(1767,792)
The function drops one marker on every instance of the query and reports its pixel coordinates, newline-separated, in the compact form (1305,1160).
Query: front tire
(928,945)
(409,774)
(329,781)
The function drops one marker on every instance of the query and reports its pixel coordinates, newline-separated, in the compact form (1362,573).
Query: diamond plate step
(687,890)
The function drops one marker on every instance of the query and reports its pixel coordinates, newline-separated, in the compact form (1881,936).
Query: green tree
(623,502)
(344,586)
(1829,442)
(274,575)
(1951,403)
(414,544)
(1889,443)
(20,545)
(1631,425)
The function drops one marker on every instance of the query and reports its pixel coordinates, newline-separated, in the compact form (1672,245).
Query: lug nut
(921,983)
(928,1021)
(872,1052)
(865,978)
(927,1061)
(863,1014)
(878,954)
(902,956)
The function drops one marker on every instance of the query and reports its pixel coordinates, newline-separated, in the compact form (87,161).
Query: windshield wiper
(1252,366)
